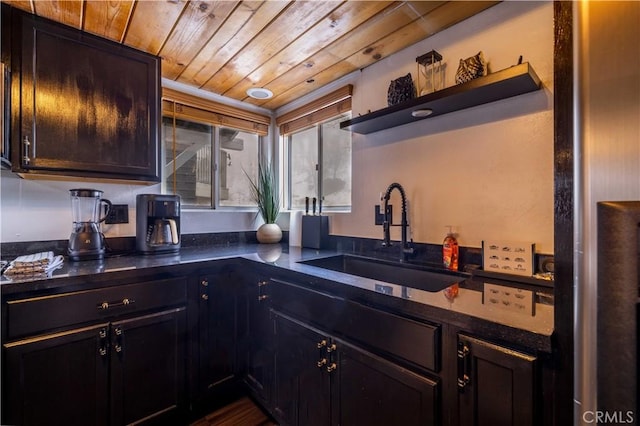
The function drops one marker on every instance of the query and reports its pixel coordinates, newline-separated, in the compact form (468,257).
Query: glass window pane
(239,153)
(303,158)
(187,171)
(336,164)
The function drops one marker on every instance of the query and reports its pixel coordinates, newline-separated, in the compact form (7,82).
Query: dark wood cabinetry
(81,105)
(121,361)
(255,334)
(497,386)
(325,372)
(323,380)
(217,301)
(59,378)
(167,350)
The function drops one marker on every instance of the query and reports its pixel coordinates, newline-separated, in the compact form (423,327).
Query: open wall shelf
(503,84)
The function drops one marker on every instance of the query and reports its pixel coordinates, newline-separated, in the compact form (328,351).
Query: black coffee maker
(157,223)
(89,209)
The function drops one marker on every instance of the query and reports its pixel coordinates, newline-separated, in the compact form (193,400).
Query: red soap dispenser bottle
(450,251)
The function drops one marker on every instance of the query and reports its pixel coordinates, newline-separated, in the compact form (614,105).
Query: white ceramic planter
(269,233)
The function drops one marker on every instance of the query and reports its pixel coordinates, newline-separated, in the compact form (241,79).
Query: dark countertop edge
(164,266)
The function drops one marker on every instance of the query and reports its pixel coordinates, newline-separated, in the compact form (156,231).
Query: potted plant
(264,192)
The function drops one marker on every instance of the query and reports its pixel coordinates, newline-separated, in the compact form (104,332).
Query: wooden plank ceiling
(288,47)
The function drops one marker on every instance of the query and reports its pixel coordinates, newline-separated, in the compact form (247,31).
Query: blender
(87,241)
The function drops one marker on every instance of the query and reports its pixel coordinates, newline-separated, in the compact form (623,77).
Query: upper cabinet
(502,84)
(81,105)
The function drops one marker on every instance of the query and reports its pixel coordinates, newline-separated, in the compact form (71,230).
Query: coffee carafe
(157,223)
(87,241)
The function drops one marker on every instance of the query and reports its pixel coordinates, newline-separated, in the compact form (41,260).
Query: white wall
(40,210)
(607,152)
(488,170)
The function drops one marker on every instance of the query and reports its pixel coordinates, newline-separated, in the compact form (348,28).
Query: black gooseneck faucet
(405,250)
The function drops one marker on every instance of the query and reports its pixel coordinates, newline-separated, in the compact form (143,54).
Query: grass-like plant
(264,191)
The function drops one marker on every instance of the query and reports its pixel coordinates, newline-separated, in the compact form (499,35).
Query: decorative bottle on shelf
(450,251)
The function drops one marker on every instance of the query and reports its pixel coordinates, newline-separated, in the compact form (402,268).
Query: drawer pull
(331,348)
(106,305)
(322,344)
(262,297)
(205,297)
(204,283)
(322,362)
(103,352)
(262,283)
(118,348)
(332,367)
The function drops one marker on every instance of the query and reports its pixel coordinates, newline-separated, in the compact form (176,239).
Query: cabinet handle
(204,283)
(262,283)
(26,144)
(331,348)
(118,346)
(103,306)
(262,297)
(322,344)
(205,297)
(104,343)
(322,362)
(464,366)
(331,367)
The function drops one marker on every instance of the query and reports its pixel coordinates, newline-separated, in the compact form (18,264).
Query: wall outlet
(119,213)
(380,216)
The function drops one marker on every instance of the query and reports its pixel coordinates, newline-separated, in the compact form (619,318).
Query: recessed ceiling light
(259,93)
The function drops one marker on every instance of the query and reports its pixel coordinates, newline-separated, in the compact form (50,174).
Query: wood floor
(243,412)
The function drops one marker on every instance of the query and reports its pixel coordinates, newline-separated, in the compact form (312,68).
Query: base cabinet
(217,329)
(107,374)
(322,380)
(373,391)
(59,378)
(109,356)
(255,342)
(147,363)
(496,385)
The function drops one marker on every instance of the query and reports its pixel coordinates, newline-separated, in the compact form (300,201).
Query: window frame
(288,142)
(216,115)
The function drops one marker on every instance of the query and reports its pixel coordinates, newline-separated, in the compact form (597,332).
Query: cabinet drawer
(39,314)
(400,337)
(311,306)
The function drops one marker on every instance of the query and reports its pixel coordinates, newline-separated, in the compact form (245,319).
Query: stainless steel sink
(404,274)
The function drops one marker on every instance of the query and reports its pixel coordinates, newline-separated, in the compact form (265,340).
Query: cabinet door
(148,356)
(58,378)
(217,319)
(302,385)
(369,390)
(496,385)
(86,106)
(255,336)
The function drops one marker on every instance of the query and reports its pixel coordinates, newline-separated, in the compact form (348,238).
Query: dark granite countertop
(469,303)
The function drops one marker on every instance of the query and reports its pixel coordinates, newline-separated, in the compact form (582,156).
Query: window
(189,163)
(320,165)
(318,152)
(198,135)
